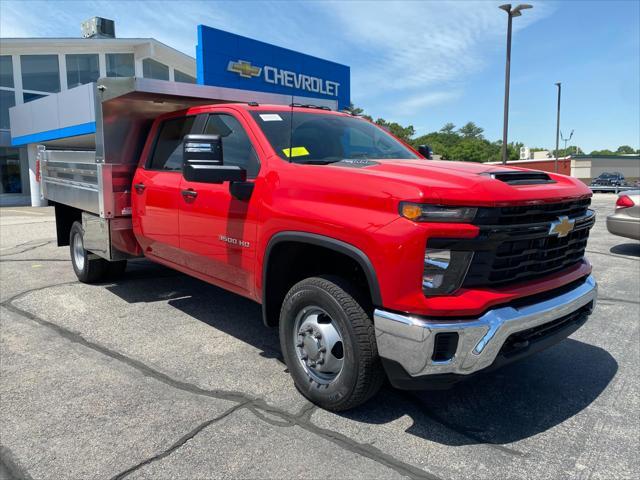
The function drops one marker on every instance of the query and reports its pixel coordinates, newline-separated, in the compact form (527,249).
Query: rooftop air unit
(98,27)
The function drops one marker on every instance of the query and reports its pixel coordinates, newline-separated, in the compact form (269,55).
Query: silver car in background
(625,221)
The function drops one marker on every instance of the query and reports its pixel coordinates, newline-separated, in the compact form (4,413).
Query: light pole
(516,12)
(559,85)
(566,140)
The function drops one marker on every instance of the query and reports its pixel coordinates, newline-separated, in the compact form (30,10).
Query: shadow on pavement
(507,405)
(629,249)
(223,310)
(504,406)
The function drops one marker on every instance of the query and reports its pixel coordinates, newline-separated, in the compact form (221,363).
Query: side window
(236,146)
(167,154)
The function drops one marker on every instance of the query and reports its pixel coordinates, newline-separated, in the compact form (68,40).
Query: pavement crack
(180,442)
(28,249)
(617,300)
(3,260)
(346,443)
(615,255)
(301,419)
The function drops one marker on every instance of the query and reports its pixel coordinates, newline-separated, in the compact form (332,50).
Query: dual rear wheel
(89,267)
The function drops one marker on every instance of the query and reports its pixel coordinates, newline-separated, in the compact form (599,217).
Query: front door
(217,230)
(156,195)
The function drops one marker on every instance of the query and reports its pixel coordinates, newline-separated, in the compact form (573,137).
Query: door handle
(189,194)
(139,187)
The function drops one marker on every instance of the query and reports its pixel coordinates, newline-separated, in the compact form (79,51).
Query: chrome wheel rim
(78,251)
(318,345)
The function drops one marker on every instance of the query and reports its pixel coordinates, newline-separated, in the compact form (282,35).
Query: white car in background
(625,221)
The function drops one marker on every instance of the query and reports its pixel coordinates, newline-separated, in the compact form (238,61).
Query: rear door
(156,193)
(217,230)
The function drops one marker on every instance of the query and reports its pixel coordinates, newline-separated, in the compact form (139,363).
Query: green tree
(625,150)
(405,133)
(448,128)
(602,152)
(471,150)
(471,130)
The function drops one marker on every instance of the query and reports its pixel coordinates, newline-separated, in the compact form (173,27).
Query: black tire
(90,269)
(362,374)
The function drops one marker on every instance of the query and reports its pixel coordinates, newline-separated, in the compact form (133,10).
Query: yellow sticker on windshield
(295,152)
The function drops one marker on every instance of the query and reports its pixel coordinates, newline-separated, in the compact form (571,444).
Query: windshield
(326,138)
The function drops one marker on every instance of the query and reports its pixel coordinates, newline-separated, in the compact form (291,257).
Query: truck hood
(455,183)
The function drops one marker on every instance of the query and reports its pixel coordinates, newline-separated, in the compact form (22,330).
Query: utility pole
(516,12)
(559,85)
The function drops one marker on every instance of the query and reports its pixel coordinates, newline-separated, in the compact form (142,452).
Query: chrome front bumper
(409,341)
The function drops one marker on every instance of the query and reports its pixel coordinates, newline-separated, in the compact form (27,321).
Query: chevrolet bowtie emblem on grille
(562,227)
(244,69)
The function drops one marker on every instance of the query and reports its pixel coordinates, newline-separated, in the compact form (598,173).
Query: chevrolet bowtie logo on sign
(562,227)
(244,69)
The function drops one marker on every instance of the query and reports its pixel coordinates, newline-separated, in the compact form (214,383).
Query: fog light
(444,270)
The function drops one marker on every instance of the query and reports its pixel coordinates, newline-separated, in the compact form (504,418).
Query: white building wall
(140,48)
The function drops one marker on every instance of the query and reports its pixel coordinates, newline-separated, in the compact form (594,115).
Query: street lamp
(515,12)
(559,85)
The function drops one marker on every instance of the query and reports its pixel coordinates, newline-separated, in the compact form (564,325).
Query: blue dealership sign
(228,60)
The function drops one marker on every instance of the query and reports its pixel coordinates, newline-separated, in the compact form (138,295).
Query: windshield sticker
(295,152)
(270,117)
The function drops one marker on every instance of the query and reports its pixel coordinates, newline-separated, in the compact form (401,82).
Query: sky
(423,63)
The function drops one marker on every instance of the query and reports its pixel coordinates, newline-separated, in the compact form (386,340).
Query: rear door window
(167,154)
(236,145)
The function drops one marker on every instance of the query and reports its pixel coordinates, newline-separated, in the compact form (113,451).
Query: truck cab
(371,260)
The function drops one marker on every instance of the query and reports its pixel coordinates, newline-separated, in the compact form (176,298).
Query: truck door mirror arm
(202,161)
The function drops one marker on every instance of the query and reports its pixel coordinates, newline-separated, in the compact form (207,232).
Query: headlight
(444,270)
(436,213)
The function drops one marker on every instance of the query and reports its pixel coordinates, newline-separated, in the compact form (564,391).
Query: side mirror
(425,151)
(202,161)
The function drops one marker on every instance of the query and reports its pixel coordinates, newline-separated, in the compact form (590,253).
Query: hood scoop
(521,178)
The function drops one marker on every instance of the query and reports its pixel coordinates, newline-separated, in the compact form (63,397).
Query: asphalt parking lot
(162,376)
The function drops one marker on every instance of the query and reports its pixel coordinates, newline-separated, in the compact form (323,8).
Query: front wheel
(328,343)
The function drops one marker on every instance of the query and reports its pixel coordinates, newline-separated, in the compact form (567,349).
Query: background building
(585,167)
(31,68)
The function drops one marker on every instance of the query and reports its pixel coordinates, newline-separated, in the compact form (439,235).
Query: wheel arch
(338,247)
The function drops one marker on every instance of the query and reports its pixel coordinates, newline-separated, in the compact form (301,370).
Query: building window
(153,69)
(178,76)
(120,65)
(40,72)
(6,71)
(7,100)
(30,97)
(81,69)
(10,180)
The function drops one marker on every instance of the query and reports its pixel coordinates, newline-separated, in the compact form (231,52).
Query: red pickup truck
(370,259)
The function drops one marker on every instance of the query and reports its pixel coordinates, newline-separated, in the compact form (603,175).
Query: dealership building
(34,68)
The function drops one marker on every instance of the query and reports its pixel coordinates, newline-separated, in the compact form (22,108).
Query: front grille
(518,260)
(515,245)
(528,214)
(518,246)
(521,340)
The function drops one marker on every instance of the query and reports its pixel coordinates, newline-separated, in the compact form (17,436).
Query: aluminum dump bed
(90,137)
